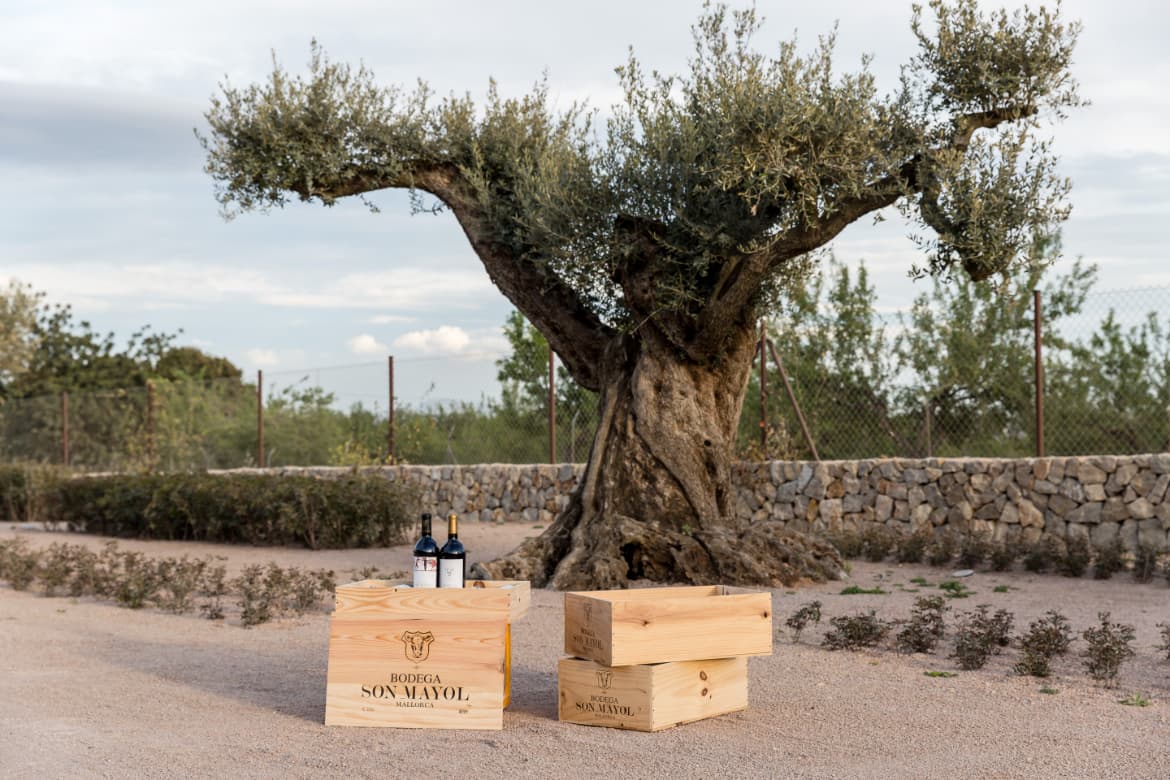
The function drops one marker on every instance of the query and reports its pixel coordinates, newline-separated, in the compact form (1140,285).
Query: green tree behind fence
(951,376)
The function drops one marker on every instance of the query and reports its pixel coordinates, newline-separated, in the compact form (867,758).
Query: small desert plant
(942,549)
(309,587)
(181,578)
(1136,699)
(1145,562)
(853,632)
(1047,638)
(18,563)
(857,590)
(1165,646)
(931,673)
(1109,646)
(1108,560)
(953,589)
(798,621)
(137,581)
(877,542)
(1042,554)
(981,634)
(974,550)
(1077,555)
(925,628)
(912,547)
(1002,556)
(847,542)
(213,587)
(255,598)
(56,567)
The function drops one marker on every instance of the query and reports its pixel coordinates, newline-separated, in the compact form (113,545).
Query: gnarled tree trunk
(656,500)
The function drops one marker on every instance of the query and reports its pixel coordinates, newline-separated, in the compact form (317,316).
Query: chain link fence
(897,392)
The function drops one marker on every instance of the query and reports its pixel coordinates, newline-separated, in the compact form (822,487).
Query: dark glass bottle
(426,557)
(452,557)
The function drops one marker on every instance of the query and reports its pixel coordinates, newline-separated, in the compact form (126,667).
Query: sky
(106,206)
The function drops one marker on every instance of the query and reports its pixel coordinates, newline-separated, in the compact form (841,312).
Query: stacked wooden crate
(422,657)
(651,658)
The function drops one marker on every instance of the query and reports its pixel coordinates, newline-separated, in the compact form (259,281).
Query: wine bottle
(452,557)
(426,557)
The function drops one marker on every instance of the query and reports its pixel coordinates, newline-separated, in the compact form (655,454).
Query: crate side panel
(591,694)
(687,691)
(588,627)
(415,673)
(472,604)
(681,629)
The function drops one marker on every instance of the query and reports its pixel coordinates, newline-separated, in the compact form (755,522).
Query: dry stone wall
(1018,500)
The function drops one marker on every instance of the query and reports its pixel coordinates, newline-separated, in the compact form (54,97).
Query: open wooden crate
(653,625)
(422,657)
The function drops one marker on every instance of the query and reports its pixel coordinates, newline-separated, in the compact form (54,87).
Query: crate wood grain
(652,625)
(421,658)
(650,697)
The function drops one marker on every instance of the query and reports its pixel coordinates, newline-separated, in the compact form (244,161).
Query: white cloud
(389,319)
(262,358)
(365,344)
(444,340)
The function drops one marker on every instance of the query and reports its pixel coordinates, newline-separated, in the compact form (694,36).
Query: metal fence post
(552,410)
(1039,344)
(763,389)
(65,427)
(929,425)
(150,426)
(390,432)
(260,416)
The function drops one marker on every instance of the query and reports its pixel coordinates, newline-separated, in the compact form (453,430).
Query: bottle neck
(453,527)
(426,526)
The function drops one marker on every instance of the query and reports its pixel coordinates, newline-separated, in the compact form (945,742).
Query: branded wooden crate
(421,657)
(652,625)
(650,697)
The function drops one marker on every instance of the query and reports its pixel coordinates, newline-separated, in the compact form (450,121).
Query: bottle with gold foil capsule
(452,557)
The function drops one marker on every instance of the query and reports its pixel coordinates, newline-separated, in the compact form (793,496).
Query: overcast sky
(105,205)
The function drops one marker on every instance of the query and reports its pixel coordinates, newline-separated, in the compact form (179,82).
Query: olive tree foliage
(730,173)
(643,243)
(18,318)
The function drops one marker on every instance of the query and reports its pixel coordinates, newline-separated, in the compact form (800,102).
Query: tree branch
(575,333)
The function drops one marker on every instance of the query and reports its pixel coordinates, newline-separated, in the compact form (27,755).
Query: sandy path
(88,689)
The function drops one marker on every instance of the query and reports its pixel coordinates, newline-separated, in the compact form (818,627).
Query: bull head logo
(604,678)
(588,611)
(417,645)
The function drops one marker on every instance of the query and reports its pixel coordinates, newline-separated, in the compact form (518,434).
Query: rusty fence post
(260,417)
(763,389)
(552,409)
(65,427)
(812,445)
(1039,345)
(390,425)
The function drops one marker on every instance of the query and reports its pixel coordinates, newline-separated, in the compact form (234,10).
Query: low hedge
(356,510)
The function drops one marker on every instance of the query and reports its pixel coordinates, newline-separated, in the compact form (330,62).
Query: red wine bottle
(426,557)
(452,557)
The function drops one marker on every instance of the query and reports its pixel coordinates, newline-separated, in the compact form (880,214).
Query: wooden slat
(656,625)
(650,697)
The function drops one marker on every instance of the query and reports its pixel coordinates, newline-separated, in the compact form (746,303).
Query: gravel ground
(88,689)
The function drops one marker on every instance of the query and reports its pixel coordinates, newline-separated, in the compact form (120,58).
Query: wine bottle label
(451,573)
(426,570)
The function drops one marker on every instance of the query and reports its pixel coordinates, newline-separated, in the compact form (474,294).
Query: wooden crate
(421,658)
(650,697)
(652,625)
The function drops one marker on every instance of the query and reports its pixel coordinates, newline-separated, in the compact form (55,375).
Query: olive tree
(642,242)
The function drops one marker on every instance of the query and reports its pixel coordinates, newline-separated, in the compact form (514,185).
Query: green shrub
(974,550)
(18,563)
(942,549)
(1145,562)
(356,510)
(800,619)
(1043,554)
(877,542)
(1047,637)
(979,635)
(1109,646)
(926,626)
(912,548)
(1076,557)
(1002,557)
(27,493)
(1108,560)
(853,632)
(847,542)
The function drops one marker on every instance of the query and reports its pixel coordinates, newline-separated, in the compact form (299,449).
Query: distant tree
(644,253)
(18,318)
